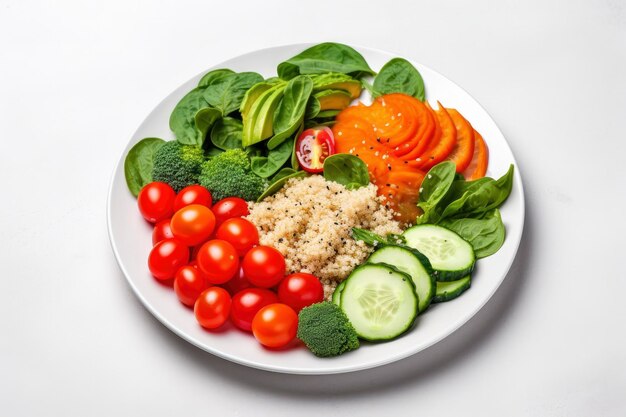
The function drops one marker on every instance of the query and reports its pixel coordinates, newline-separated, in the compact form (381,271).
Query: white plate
(131,240)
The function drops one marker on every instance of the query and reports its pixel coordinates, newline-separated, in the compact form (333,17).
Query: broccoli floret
(228,174)
(325,330)
(177,164)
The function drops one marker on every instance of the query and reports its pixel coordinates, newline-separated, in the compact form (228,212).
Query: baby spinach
(182,119)
(204,119)
(347,170)
(290,112)
(276,185)
(283,173)
(322,58)
(313,107)
(227,92)
(399,76)
(434,188)
(485,234)
(138,163)
(294,157)
(266,166)
(214,76)
(226,133)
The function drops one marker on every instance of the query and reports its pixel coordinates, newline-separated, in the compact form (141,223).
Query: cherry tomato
(300,290)
(162,230)
(240,233)
(166,257)
(264,266)
(212,307)
(247,303)
(193,194)
(218,260)
(313,147)
(275,325)
(228,208)
(193,224)
(189,283)
(237,283)
(156,201)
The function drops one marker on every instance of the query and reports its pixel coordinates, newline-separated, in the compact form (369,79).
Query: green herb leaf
(138,164)
(266,166)
(322,58)
(226,93)
(290,112)
(399,76)
(226,134)
(347,170)
(485,234)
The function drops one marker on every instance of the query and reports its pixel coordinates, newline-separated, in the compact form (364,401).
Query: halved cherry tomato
(240,233)
(193,224)
(193,194)
(313,147)
(212,307)
(300,290)
(275,325)
(247,303)
(166,257)
(156,201)
(218,260)
(162,230)
(189,283)
(264,266)
(228,208)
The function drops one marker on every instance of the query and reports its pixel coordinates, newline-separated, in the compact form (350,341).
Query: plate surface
(131,240)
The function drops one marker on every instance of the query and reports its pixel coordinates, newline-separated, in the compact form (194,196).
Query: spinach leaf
(322,58)
(182,119)
(399,76)
(275,186)
(346,169)
(374,239)
(290,112)
(266,166)
(138,164)
(434,188)
(294,157)
(204,119)
(226,133)
(283,173)
(213,76)
(485,234)
(227,93)
(313,107)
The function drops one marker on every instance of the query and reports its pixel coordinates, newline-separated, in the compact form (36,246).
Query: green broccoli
(228,174)
(325,330)
(177,164)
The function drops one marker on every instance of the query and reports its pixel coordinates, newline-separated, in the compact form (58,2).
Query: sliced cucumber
(409,262)
(449,254)
(447,291)
(379,301)
(337,293)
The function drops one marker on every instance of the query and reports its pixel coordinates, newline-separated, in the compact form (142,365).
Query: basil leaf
(204,119)
(485,234)
(226,134)
(214,76)
(346,169)
(182,119)
(290,112)
(266,166)
(138,164)
(227,93)
(275,186)
(434,188)
(323,58)
(399,76)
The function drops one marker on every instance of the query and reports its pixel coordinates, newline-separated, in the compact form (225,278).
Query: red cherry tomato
(166,257)
(300,290)
(275,325)
(162,230)
(156,201)
(228,208)
(237,283)
(189,283)
(240,233)
(212,307)
(193,224)
(313,147)
(218,260)
(193,194)
(264,266)
(247,303)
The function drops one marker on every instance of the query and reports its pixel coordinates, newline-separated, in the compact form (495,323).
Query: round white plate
(131,240)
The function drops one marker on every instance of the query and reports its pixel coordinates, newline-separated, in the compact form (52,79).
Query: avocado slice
(257,115)
(333,99)
(334,81)
(251,96)
(264,122)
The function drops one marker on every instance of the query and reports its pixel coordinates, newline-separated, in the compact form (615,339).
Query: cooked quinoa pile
(309,222)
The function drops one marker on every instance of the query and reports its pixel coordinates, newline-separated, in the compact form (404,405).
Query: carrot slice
(438,150)
(463,151)
(477,168)
(429,132)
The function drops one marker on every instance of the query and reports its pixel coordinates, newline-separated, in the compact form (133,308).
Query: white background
(76,79)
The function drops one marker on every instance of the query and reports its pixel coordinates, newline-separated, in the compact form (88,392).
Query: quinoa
(310,221)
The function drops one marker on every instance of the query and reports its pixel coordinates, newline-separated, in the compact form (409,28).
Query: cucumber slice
(337,293)
(379,301)
(409,262)
(449,254)
(447,291)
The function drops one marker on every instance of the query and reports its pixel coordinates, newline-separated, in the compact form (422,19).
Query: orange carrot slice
(477,168)
(463,150)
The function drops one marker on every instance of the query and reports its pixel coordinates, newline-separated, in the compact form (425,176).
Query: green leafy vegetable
(294,157)
(138,163)
(290,112)
(312,108)
(374,239)
(204,119)
(434,188)
(283,173)
(266,166)
(226,134)
(399,76)
(347,170)
(322,58)
(485,234)
(214,76)
(226,93)
(183,118)
(277,184)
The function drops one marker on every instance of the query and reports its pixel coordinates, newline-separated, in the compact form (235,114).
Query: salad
(299,207)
